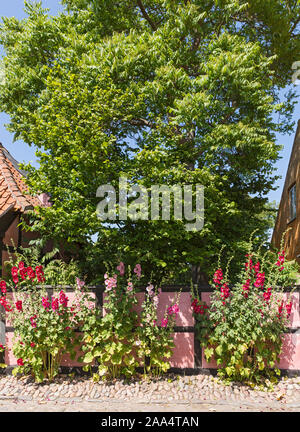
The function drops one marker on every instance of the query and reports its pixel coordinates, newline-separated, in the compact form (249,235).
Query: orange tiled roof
(12,187)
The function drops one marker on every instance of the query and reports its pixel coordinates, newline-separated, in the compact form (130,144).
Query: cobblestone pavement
(199,393)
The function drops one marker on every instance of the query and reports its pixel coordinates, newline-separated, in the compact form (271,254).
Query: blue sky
(23,153)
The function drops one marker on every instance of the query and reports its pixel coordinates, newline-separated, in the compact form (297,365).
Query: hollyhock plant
(157,342)
(242,329)
(110,339)
(40,323)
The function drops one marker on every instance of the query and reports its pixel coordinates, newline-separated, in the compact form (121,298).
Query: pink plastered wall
(183,354)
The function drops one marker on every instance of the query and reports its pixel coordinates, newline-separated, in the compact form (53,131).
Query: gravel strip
(183,390)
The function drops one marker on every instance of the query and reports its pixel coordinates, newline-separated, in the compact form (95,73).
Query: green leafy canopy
(166,92)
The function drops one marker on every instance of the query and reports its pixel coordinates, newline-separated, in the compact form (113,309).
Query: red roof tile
(12,187)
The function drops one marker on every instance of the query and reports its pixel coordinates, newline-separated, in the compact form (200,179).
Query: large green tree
(163,92)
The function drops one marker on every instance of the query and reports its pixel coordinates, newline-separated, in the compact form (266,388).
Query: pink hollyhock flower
(45,303)
(32,321)
(155,300)
(20,362)
(121,268)
(164,322)
(63,299)
(150,289)
(130,286)
(173,309)
(138,270)
(79,283)
(54,304)
(67,328)
(110,283)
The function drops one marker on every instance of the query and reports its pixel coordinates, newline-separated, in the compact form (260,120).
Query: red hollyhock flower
(21,265)
(218,276)
(39,273)
(246,287)
(20,362)
(14,271)
(267,294)
(280,308)
(280,261)
(30,273)
(5,304)
(198,308)
(3,287)
(288,307)
(19,305)
(225,291)
(23,273)
(260,280)
(256,267)
(249,263)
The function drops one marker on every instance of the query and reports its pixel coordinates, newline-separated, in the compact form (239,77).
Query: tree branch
(146,16)
(140,122)
(295,25)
